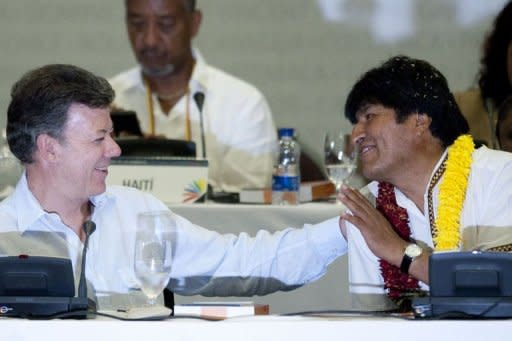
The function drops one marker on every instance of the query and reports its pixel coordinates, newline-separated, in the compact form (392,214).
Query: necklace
(455,171)
(151,111)
(452,192)
(433,182)
(398,284)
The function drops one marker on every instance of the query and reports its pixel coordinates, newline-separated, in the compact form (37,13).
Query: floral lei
(452,192)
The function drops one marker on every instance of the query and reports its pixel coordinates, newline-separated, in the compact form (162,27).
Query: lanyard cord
(151,111)
(149,104)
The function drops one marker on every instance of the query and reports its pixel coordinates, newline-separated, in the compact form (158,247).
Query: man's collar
(199,78)
(28,207)
(30,210)
(101,200)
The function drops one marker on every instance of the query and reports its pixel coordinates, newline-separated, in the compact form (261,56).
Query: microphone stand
(82,302)
(89,227)
(199,99)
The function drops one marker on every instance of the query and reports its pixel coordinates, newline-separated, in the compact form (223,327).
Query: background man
(239,132)
(432,189)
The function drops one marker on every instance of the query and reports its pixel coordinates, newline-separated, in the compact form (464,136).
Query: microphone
(89,227)
(199,99)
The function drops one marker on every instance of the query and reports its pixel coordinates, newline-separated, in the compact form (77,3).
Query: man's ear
(423,122)
(47,147)
(197,18)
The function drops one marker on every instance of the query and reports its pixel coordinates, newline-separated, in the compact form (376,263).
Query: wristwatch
(412,251)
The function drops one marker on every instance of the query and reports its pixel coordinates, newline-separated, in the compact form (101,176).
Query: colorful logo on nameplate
(195,191)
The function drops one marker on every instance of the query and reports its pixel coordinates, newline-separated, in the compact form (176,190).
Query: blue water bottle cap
(285,132)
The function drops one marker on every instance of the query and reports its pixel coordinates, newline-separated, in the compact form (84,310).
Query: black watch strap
(406,264)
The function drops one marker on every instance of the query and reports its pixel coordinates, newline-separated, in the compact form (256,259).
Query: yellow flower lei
(452,192)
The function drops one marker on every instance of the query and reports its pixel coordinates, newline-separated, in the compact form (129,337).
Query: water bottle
(286,172)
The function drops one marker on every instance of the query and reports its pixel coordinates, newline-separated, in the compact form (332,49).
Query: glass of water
(340,158)
(155,237)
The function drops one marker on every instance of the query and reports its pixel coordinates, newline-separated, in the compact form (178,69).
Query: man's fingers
(355,201)
(354,220)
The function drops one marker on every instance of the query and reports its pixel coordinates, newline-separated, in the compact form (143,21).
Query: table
(258,328)
(330,292)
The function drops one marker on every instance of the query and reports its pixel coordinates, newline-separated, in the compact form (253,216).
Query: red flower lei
(395,281)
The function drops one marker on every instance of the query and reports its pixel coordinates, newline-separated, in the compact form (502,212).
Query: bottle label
(285,183)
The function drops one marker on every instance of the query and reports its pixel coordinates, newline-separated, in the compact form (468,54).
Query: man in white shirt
(59,127)
(436,191)
(232,121)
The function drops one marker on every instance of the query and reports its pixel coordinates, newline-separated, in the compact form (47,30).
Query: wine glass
(154,241)
(340,159)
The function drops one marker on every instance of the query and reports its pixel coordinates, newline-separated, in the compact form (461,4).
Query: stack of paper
(308,191)
(221,310)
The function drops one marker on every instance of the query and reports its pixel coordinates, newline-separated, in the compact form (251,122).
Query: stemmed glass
(340,159)
(155,238)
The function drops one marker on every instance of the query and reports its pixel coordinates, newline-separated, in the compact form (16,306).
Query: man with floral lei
(431,189)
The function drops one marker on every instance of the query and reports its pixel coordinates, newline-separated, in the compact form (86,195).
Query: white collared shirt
(486,219)
(240,133)
(205,261)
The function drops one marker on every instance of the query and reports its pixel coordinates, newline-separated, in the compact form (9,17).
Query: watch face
(413,250)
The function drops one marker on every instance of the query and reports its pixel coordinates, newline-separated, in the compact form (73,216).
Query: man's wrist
(411,252)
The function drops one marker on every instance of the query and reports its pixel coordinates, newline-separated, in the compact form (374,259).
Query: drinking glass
(155,237)
(340,159)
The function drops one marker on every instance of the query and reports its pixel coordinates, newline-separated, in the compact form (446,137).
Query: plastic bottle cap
(285,132)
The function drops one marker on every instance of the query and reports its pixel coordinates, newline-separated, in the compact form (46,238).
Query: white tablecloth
(263,328)
(330,292)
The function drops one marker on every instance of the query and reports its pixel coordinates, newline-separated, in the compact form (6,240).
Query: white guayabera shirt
(486,222)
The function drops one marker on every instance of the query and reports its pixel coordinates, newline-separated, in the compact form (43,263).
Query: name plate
(172,180)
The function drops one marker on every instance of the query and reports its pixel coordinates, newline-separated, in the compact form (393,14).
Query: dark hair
(191,5)
(40,101)
(504,111)
(409,86)
(493,76)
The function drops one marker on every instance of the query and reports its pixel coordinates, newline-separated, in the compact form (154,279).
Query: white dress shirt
(486,222)
(205,261)
(240,133)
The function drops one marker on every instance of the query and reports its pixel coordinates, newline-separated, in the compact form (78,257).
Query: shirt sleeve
(487,215)
(212,264)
